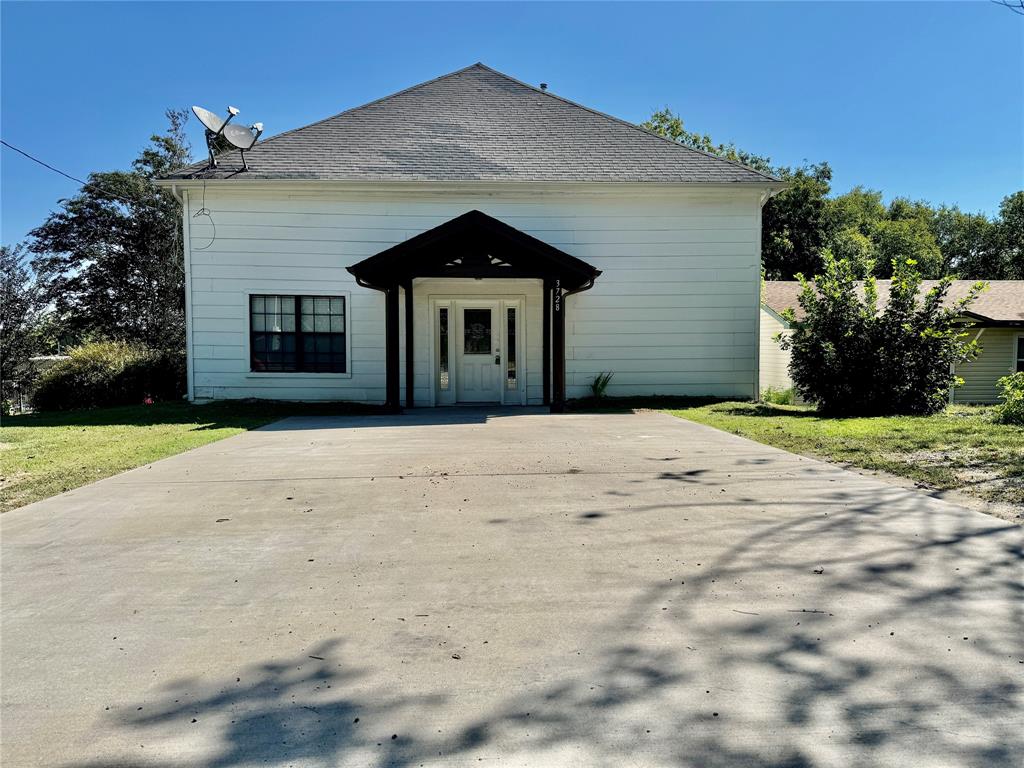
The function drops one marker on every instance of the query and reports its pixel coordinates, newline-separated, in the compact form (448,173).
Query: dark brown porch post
(392,388)
(558,351)
(409,377)
(547,342)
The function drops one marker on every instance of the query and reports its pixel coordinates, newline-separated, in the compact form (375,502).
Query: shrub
(849,358)
(1011,410)
(778,396)
(600,384)
(110,373)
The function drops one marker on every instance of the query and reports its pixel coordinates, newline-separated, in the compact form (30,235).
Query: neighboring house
(471,240)
(997,318)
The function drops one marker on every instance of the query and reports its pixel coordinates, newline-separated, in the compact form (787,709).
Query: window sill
(295,375)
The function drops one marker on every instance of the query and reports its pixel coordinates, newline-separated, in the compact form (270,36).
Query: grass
(960,448)
(45,454)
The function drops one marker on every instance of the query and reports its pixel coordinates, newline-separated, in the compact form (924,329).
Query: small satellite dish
(243,138)
(236,135)
(239,136)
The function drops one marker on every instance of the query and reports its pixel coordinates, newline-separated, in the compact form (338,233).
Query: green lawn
(960,448)
(45,454)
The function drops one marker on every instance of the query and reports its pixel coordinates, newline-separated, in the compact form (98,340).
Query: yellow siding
(996,360)
(774,361)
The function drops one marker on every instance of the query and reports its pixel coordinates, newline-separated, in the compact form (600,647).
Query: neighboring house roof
(475,124)
(1001,304)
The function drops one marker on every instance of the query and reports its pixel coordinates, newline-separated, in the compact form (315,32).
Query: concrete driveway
(449,588)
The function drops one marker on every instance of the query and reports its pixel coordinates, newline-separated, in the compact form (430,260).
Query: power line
(97,187)
(80,181)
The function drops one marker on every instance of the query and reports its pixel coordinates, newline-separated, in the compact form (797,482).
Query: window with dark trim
(297,333)
(1019,360)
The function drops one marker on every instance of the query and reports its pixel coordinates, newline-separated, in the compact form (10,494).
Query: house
(996,318)
(471,239)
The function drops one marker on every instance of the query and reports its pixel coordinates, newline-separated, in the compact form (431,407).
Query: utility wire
(101,189)
(80,181)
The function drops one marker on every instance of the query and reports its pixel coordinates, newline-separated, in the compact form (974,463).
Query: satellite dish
(236,135)
(239,136)
(212,121)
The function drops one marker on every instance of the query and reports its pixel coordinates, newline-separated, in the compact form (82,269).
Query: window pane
(476,331)
(276,342)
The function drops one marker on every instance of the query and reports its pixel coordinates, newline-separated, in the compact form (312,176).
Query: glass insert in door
(476,331)
(510,351)
(442,368)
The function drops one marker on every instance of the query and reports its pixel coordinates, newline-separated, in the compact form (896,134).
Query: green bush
(1011,410)
(110,373)
(778,396)
(599,385)
(851,358)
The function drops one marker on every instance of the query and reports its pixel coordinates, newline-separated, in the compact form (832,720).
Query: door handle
(497,359)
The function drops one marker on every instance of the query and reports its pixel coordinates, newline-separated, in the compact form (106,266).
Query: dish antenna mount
(236,135)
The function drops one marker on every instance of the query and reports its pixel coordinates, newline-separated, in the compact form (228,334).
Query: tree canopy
(110,259)
(804,224)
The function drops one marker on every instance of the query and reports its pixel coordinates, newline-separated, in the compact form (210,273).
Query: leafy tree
(1010,236)
(795,227)
(21,305)
(802,223)
(667,123)
(859,209)
(111,257)
(901,239)
(856,248)
(852,359)
(967,241)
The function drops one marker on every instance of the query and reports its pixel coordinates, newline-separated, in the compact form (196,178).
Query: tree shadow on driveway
(895,635)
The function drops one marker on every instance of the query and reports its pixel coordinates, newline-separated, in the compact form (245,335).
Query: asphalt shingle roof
(475,124)
(1003,302)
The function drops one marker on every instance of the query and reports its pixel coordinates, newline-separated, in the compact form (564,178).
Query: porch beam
(546,331)
(392,385)
(558,351)
(409,373)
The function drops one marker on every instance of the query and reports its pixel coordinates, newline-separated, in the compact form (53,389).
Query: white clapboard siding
(674,312)
(774,360)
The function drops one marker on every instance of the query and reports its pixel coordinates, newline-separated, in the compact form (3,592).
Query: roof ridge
(626,123)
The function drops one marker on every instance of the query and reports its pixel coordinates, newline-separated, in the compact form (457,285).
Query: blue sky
(924,100)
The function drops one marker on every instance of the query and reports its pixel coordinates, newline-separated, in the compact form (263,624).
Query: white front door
(477,350)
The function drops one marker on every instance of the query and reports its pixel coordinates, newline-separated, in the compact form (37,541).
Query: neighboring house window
(297,333)
(1020,354)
